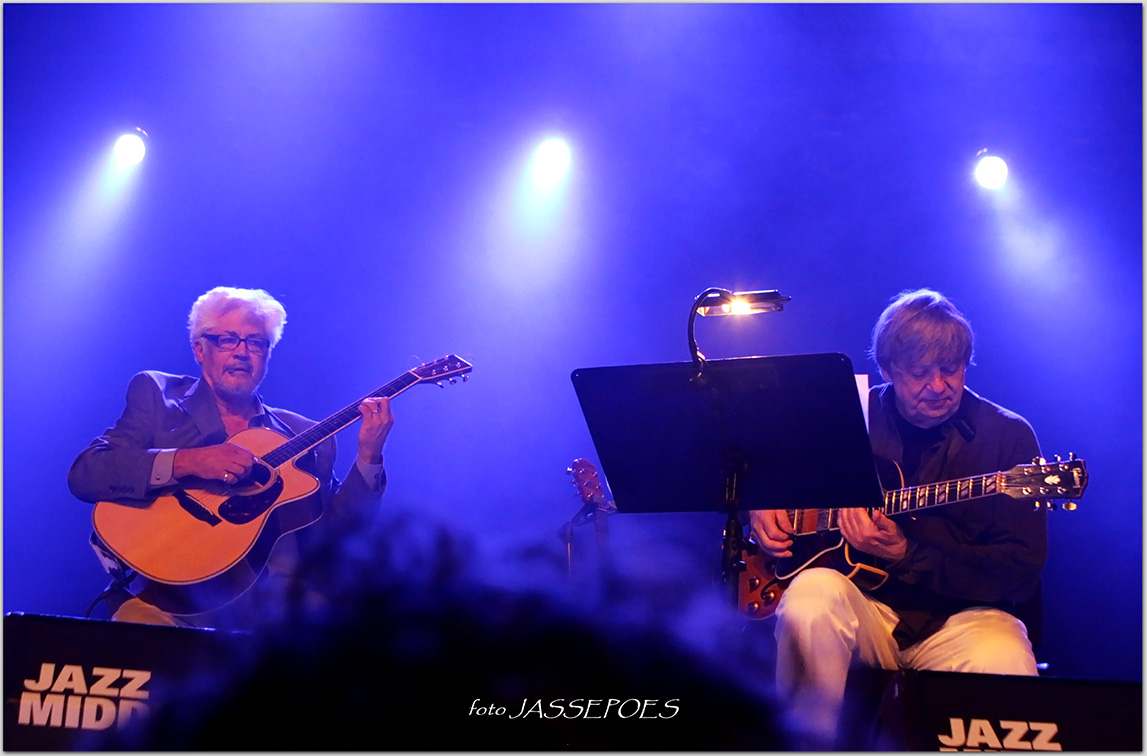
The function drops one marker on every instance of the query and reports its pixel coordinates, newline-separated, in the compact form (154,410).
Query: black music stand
(748,433)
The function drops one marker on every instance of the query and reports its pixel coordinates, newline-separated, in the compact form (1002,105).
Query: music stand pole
(732,544)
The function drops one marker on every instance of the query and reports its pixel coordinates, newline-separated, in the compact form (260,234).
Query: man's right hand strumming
(226,462)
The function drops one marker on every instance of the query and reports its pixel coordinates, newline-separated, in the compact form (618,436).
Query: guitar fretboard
(903,500)
(935,494)
(319,432)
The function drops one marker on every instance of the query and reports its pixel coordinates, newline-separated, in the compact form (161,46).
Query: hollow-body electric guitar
(765,578)
(204,544)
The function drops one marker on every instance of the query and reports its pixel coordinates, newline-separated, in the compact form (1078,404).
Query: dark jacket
(166,412)
(983,552)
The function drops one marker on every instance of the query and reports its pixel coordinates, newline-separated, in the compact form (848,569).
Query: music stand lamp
(730,434)
(716,301)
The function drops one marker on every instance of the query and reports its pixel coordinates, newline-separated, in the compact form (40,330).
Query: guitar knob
(754,583)
(754,607)
(770,596)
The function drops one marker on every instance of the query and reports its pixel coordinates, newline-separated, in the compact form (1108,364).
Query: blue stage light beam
(533,231)
(81,244)
(543,188)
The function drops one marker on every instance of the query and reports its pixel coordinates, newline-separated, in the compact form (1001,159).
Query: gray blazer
(165,412)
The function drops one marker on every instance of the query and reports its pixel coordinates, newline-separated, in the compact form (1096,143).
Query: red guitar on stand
(594,509)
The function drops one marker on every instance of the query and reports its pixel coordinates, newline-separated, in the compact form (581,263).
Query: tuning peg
(439,384)
(1071,456)
(1058,458)
(1069,506)
(465,377)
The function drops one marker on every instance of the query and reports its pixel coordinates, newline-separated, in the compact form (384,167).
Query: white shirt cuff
(162,468)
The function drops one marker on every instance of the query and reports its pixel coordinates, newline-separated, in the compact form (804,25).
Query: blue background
(361,162)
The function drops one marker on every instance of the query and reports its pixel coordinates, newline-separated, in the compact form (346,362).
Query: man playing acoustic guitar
(176,433)
(958,575)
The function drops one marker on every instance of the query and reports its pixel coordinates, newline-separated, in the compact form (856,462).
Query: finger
(851,525)
(233,453)
(784,524)
(778,536)
(765,526)
(886,524)
(375,411)
(856,518)
(778,520)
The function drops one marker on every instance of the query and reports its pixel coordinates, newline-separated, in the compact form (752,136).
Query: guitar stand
(733,541)
(601,565)
(583,516)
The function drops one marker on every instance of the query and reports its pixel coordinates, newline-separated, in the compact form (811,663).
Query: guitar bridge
(195,509)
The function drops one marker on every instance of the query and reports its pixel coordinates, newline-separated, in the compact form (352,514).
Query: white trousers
(825,625)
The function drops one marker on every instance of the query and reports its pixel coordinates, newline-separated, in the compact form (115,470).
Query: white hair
(223,299)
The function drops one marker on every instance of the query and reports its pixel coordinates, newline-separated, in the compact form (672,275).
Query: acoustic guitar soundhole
(243,508)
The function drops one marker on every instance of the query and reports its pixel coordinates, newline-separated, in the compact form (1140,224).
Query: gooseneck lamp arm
(719,293)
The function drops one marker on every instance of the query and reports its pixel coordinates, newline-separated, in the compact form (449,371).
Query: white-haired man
(175,428)
(958,574)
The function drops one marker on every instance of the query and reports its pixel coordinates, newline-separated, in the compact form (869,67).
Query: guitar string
(903,500)
(344,417)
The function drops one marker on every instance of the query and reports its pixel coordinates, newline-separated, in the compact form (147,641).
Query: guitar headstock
(588,484)
(446,368)
(1043,480)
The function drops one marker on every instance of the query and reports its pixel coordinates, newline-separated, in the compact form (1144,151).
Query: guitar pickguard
(241,509)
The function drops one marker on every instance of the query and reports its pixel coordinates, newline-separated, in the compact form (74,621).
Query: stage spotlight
(551,161)
(991,172)
(130,148)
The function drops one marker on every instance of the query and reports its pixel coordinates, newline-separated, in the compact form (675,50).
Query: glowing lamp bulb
(991,172)
(739,307)
(129,149)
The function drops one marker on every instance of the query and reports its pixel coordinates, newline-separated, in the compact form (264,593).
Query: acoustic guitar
(204,544)
(765,578)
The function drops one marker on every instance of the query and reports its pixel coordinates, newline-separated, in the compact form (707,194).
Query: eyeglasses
(256,344)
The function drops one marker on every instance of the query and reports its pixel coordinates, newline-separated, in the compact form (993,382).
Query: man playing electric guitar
(176,430)
(960,576)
